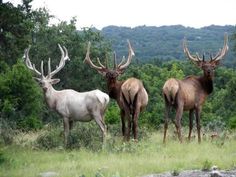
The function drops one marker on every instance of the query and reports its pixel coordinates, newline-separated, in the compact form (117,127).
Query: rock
(216,173)
(48,174)
(214,168)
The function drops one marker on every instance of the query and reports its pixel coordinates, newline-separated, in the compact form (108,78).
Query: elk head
(208,66)
(47,81)
(110,74)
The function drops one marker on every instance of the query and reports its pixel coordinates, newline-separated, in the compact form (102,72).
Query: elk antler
(187,53)
(31,66)
(64,57)
(28,62)
(122,66)
(87,59)
(218,56)
(103,69)
(222,51)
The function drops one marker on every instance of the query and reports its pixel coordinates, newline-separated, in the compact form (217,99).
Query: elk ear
(102,73)
(119,72)
(199,64)
(216,63)
(54,81)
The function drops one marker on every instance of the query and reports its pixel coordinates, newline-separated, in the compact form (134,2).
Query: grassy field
(119,159)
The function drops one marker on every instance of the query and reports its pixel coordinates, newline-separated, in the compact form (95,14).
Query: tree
(21,99)
(15,30)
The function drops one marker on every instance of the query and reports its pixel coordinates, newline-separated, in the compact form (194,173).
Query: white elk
(70,104)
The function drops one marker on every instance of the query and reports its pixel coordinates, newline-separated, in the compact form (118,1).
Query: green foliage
(232,122)
(50,139)
(83,135)
(112,113)
(206,165)
(16,26)
(2,157)
(20,98)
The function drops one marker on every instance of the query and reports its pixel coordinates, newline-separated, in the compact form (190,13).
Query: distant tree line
(165,42)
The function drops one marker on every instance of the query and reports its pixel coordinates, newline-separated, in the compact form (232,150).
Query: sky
(132,13)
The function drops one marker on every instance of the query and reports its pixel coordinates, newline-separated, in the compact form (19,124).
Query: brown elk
(130,94)
(70,104)
(190,93)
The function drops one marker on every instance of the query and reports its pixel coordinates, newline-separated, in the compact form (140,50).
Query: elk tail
(170,90)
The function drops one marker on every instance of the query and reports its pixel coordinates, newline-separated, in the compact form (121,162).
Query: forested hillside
(165,42)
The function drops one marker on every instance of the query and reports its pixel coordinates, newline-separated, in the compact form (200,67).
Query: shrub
(20,98)
(232,122)
(2,157)
(7,133)
(87,135)
(206,165)
(49,139)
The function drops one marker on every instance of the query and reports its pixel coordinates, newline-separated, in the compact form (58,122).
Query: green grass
(132,159)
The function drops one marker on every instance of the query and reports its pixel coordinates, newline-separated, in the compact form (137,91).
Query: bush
(20,98)
(87,135)
(232,122)
(2,157)
(206,165)
(7,133)
(49,139)
(30,122)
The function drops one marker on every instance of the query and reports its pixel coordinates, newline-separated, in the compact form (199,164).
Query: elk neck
(114,88)
(50,97)
(206,83)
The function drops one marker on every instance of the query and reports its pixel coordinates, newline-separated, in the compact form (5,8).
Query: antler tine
(187,53)
(122,61)
(91,64)
(28,62)
(66,53)
(222,51)
(99,62)
(131,54)
(198,57)
(64,57)
(42,68)
(49,68)
(115,63)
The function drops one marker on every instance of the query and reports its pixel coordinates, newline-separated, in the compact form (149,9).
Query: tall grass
(119,159)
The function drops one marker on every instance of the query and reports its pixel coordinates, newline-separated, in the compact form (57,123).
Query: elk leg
(122,115)
(101,124)
(135,123)
(71,124)
(179,113)
(128,128)
(66,130)
(190,124)
(167,110)
(198,110)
